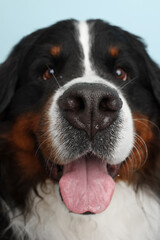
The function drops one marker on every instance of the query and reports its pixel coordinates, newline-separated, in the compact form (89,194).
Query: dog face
(79,105)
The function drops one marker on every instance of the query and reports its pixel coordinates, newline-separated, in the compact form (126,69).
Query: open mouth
(86,184)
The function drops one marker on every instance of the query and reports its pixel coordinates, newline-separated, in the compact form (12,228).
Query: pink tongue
(85,186)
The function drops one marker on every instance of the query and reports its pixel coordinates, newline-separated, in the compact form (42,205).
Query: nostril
(73,104)
(90,107)
(103,105)
(110,104)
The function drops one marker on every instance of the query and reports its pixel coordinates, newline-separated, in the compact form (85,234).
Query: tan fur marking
(114,51)
(144,139)
(23,143)
(55,51)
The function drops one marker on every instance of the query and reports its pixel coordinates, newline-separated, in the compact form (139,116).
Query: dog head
(80,105)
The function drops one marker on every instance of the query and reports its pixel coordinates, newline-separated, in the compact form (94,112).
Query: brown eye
(48,74)
(121,74)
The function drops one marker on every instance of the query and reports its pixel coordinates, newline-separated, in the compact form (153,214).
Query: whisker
(54,77)
(140,139)
(141,120)
(40,146)
(131,80)
(126,168)
(56,81)
(139,156)
(132,158)
(136,159)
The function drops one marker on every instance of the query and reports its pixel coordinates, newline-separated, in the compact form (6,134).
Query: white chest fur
(130,216)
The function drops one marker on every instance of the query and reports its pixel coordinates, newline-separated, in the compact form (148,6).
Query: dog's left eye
(49,73)
(121,74)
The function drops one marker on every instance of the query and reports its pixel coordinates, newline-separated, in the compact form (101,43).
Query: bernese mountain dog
(80,136)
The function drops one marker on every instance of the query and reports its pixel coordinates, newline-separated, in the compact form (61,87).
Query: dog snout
(90,107)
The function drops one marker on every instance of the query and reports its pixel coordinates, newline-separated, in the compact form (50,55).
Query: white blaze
(84,39)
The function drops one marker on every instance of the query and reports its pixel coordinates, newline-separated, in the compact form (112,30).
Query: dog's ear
(151,71)
(9,70)
(8,78)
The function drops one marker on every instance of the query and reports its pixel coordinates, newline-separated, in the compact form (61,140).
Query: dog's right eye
(49,73)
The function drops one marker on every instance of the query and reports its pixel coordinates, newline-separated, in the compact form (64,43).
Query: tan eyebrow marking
(55,51)
(114,51)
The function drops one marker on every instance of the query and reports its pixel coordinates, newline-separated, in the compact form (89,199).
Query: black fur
(23,90)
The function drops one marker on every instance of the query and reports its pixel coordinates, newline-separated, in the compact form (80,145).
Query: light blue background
(20,17)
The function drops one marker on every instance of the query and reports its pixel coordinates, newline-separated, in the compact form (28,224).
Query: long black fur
(21,91)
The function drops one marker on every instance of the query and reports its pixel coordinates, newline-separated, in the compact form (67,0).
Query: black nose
(90,106)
